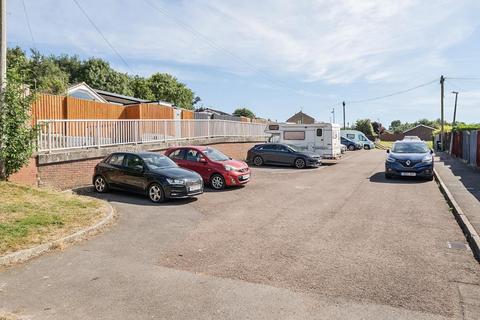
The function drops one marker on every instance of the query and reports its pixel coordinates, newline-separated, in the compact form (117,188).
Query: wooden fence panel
(87,109)
(187,114)
(155,111)
(48,106)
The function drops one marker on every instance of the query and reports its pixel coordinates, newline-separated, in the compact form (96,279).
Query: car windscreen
(418,147)
(215,155)
(294,148)
(157,161)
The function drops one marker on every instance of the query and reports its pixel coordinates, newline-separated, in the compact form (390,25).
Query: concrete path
(338,242)
(463,182)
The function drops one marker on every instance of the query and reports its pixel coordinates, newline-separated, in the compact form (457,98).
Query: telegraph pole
(333,113)
(455,108)
(3,72)
(343,115)
(442,122)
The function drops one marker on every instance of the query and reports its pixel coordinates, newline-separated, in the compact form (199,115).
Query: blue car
(409,158)
(351,145)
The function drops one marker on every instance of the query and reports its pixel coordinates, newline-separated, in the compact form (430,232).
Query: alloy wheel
(155,193)
(300,163)
(258,161)
(100,184)
(217,182)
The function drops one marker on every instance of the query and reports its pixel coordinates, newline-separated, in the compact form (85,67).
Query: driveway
(337,242)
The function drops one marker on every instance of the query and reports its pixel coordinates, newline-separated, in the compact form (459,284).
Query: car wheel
(300,163)
(155,193)
(366,147)
(217,182)
(100,184)
(258,161)
(388,176)
(351,147)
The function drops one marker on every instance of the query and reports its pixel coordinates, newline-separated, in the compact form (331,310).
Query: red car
(216,169)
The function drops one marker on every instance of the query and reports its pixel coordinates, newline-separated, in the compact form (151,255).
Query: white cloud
(337,41)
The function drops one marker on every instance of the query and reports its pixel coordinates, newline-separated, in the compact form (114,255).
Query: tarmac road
(336,242)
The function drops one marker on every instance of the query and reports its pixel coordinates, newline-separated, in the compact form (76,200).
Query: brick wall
(70,174)
(27,175)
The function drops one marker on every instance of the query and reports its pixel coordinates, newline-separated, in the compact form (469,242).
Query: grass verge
(30,216)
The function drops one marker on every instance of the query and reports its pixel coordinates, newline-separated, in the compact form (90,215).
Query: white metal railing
(76,134)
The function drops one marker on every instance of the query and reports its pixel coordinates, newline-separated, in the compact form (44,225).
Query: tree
(46,76)
(365,126)
(244,112)
(166,87)
(141,88)
(378,127)
(16,133)
(395,124)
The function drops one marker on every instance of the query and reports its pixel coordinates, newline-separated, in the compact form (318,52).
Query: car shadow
(130,198)
(272,167)
(227,189)
(379,177)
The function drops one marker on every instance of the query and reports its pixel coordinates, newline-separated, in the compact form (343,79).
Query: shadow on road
(379,177)
(227,189)
(130,198)
(280,167)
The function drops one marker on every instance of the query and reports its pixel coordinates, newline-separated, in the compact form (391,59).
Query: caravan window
(294,135)
(351,136)
(319,132)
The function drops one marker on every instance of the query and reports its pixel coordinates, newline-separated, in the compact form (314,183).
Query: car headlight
(176,181)
(391,159)
(427,159)
(229,167)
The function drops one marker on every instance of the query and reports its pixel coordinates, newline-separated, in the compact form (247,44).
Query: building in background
(301,118)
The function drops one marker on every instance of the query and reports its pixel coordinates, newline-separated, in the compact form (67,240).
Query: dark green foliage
(365,126)
(244,112)
(16,133)
(53,74)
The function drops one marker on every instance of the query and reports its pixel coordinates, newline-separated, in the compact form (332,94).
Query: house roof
(82,86)
(300,114)
(218,112)
(420,125)
(119,98)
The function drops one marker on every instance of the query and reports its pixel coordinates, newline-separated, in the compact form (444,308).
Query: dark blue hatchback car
(409,158)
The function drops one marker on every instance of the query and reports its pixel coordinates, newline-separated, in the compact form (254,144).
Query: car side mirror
(202,160)
(388,150)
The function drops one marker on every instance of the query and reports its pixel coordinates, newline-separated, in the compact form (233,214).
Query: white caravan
(359,137)
(321,138)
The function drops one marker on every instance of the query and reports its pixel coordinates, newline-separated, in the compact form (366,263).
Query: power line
(216,46)
(25,11)
(393,93)
(102,35)
(464,78)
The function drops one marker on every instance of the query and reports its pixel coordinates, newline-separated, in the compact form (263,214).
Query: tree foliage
(16,132)
(53,74)
(378,127)
(244,112)
(365,126)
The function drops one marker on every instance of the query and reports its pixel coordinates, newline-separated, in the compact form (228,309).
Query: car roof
(201,148)
(140,154)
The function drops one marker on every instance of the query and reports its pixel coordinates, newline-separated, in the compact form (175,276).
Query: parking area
(338,241)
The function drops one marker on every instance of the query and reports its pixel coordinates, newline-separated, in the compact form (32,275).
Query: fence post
(208,128)
(164,130)
(49,136)
(98,133)
(136,131)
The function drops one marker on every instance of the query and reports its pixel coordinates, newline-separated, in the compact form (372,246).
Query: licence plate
(246,176)
(195,187)
(408,174)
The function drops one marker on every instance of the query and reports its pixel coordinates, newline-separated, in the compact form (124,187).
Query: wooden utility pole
(455,108)
(442,122)
(344,115)
(3,73)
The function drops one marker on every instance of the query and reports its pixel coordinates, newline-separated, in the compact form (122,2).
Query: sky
(277,57)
